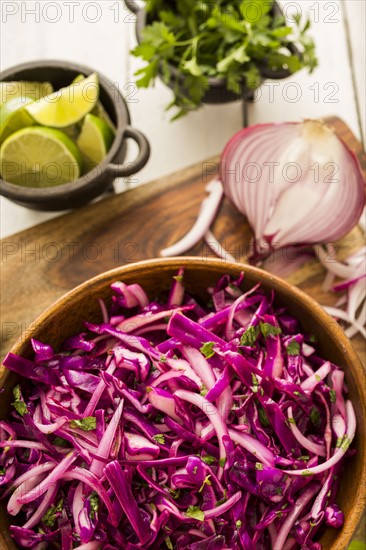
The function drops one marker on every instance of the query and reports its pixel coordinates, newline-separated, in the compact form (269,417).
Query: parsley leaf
(293,348)
(249,337)
(207,349)
(269,330)
(187,43)
(159,438)
(19,404)
(87,424)
(50,517)
(196,513)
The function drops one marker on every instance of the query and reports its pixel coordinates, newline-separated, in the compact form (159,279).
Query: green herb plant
(186,42)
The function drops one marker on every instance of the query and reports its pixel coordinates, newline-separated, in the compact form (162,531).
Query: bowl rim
(279,285)
(123,119)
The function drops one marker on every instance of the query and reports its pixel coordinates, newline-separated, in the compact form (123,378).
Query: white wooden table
(100,34)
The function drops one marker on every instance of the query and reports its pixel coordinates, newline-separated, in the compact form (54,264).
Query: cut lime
(14,116)
(98,110)
(39,157)
(33,90)
(94,141)
(68,105)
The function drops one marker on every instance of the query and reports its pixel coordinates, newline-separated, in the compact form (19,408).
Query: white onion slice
(205,218)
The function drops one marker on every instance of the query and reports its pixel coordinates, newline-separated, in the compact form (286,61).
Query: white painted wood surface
(100,34)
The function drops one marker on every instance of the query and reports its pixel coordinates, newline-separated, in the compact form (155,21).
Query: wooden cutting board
(42,263)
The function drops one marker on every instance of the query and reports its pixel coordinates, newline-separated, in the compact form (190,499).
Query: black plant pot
(217,92)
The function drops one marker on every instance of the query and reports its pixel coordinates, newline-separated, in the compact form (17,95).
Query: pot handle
(129,168)
(132,6)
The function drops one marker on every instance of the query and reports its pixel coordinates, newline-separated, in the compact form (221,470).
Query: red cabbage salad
(175,424)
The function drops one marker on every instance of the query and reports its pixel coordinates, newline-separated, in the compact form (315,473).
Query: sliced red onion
(214,417)
(300,504)
(217,248)
(304,441)
(205,218)
(339,452)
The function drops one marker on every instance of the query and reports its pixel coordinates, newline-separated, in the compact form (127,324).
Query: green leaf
(87,424)
(207,349)
(315,416)
(206,481)
(157,34)
(357,545)
(150,72)
(94,504)
(196,513)
(50,517)
(259,466)
(19,404)
(238,524)
(293,348)
(249,337)
(159,438)
(269,330)
(263,418)
(192,67)
(208,459)
(61,442)
(168,543)
(332,396)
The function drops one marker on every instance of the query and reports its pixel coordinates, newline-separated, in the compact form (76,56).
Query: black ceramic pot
(217,92)
(98,180)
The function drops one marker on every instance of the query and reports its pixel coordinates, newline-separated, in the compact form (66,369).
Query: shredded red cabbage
(180,425)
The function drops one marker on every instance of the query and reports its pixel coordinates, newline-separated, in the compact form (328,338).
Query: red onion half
(297,183)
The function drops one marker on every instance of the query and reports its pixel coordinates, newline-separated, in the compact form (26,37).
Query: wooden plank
(42,263)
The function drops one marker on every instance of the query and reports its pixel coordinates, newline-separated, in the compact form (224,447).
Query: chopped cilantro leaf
(207,349)
(50,517)
(332,396)
(206,481)
(19,404)
(196,513)
(208,459)
(249,337)
(293,348)
(159,438)
(86,424)
(269,330)
(94,504)
(263,418)
(315,416)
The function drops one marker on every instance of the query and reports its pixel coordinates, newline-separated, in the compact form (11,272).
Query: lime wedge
(33,90)
(39,157)
(14,116)
(94,141)
(68,105)
(98,110)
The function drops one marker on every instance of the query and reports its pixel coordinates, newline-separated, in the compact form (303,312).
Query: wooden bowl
(65,318)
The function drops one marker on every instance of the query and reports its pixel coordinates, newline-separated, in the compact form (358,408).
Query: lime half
(33,90)
(13,116)
(94,141)
(68,105)
(39,157)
